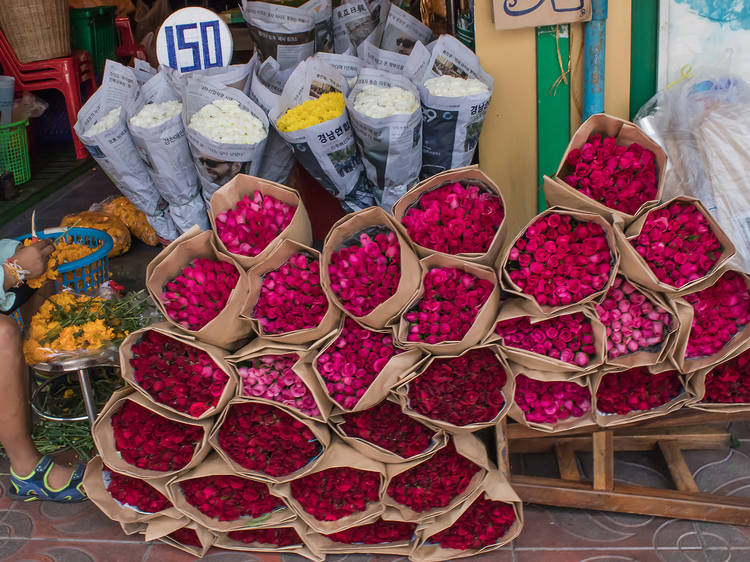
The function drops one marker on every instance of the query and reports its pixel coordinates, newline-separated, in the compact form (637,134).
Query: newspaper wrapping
(282,32)
(143,71)
(352,24)
(348,63)
(402,31)
(235,75)
(323,24)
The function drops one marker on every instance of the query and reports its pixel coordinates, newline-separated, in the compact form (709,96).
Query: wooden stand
(685,429)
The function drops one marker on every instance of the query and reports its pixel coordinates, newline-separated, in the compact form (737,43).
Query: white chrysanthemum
(454,87)
(153,114)
(223,121)
(106,122)
(379,102)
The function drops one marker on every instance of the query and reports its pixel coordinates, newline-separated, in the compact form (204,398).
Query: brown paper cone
(215,466)
(217,356)
(696,387)
(467,446)
(339,455)
(133,528)
(522,307)
(227,196)
(228,328)
(260,347)
(402,393)
(495,488)
(278,257)
(509,286)
(558,192)
(349,227)
(587,420)
(465,176)
(390,376)
(639,271)
(104,438)
(205,537)
(305,548)
(483,322)
(161,527)
(319,430)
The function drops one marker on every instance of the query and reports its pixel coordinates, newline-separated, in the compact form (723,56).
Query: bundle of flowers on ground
(281,537)
(389,534)
(725,387)
(548,402)
(288,538)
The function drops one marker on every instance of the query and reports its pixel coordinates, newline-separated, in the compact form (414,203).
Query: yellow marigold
(63,253)
(312,112)
(134,219)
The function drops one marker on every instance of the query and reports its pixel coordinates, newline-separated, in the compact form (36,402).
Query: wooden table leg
(678,468)
(604,460)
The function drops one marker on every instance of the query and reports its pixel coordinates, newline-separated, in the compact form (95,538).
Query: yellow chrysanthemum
(312,112)
(62,254)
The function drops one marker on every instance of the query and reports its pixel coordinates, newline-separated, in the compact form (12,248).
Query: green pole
(644,47)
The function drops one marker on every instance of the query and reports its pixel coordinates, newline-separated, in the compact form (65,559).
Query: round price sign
(194,39)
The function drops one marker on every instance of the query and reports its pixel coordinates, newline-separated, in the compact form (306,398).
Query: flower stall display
(268,442)
(281,373)
(289,538)
(286,301)
(187,377)
(191,538)
(673,247)
(344,490)
(368,268)
(724,387)
(623,396)
(389,534)
(560,259)
(200,290)
(459,212)
(464,393)
(454,308)
(137,438)
(425,488)
(386,434)
(611,167)
(358,367)
(572,340)
(251,216)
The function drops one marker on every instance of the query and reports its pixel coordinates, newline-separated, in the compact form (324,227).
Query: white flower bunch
(107,122)
(454,87)
(223,121)
(380,102)
(153,114)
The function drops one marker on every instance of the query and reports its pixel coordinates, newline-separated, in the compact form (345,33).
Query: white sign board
(194,39)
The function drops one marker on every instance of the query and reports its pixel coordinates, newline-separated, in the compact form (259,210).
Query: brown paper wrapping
(96,490)
(609,420)
(278,257)
(515,412)
(104,438)
(483,322)
(465,176)
(205,537)
(696,387)
(369,449)
(639,271)
(558,192)
(158,528)
(305,549)
(522,307)
(215,466)
(402,393)
(339,455)
(390,376)
(217,355)
(467,446)
(227,196)
(319,430)
(133,528)
(228,328)
(387,312)
(303,368)
(509,286)
(496,488)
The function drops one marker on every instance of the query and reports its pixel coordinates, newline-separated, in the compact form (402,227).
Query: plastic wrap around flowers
(449,305)
(262,438)
(560,260)
(677,244)
(551,402)
(636,390)
(249,227)
(147,440)
(366,273)
(455,219)
(568,337)
(336,492)
(228,497)
(200,292)
(632,321)
(281,537)
(379,532)
(134,493)
(620,177)
(177,374)
(484,523)
(729,382)
(719,313)
(460,390)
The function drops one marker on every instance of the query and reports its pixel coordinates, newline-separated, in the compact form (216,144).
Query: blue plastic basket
(88,272)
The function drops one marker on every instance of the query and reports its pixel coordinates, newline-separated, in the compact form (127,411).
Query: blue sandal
(35,486)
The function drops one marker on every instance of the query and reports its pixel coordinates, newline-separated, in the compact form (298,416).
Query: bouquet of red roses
(725,387)
(389,534)
(548,402)
(289,538)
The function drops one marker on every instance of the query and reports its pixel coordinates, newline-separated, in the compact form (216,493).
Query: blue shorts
(23,294)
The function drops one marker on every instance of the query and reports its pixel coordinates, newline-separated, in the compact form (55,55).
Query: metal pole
(595,34)
(88,395)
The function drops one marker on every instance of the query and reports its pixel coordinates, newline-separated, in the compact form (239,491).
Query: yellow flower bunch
(102,221)
(312,112)
(64,252)
(135,219)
